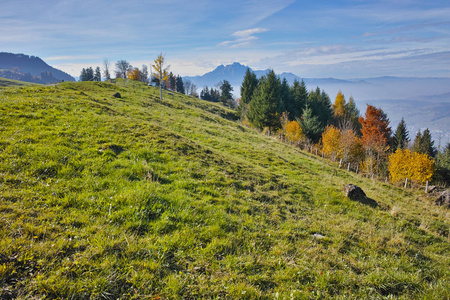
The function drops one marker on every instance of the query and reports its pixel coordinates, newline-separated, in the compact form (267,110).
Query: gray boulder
(444,199)
(355,193)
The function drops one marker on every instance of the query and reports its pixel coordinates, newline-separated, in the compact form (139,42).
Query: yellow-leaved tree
(161,72)
(331,139)
(293,131)
(415,166)
(339,105)
(134,74)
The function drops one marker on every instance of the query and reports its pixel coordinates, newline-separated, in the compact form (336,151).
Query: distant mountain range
(423,102)
(30,69)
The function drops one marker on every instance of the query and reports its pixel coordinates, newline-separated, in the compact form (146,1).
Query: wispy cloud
(243,38)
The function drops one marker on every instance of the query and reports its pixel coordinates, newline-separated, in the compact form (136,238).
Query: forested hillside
(109,192)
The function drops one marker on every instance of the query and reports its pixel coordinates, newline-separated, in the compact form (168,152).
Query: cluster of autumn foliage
(336,130)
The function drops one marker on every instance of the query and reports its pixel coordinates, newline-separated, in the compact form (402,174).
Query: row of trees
(309,118)
(123,69)
(222,94)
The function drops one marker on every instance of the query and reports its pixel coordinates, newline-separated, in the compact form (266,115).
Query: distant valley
(423,102)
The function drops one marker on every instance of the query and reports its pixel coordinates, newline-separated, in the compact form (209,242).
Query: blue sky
(342,39)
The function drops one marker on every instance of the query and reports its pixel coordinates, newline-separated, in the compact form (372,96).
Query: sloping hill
(134,197)
(5,82)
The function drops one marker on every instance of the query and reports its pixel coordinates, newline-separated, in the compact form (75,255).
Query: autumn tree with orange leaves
(375,136)
(134,74)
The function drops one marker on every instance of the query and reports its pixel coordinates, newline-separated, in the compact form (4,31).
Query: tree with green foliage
(265,104)
(179,84)
(423,143)
(443,166)
(225,96)
(97,74)
(287,99)
(248,86)
(300,97)
(351,114)
(401,136)
(87,74)
(311,125)
(205,94)
(320,104)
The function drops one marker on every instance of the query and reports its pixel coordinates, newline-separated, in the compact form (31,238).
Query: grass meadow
(142,198)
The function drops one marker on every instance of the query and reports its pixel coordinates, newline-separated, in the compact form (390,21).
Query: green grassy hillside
(137,198)
(5,82)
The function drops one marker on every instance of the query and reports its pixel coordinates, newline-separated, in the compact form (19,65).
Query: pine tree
(401,137)
(423,143)
(226,96)
(300,96)
(286,97)
(320,104)
(265,103)
(351,113)
(205,94)
(311,125)
(248,86)
(98,74)
(179,84)
(83,75)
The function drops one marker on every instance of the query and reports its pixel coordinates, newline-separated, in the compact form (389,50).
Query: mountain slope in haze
(423,102)
(137,197)
(30,69)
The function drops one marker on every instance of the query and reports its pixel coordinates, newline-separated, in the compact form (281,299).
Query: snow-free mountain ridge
(29,68)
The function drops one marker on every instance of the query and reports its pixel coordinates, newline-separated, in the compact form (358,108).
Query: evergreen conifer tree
(286,97)
(226,96)
(248,86)
(351,113)
(265,104)
(180,85)
(401,137)
(98,74)
(320,104)
(423,143)
(311,125)
(300,97)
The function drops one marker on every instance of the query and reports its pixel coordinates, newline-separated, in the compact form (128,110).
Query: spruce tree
(300,97)
(179,84)
(311,125)
(226,96)
(97,75)
(320,104)
(286,97)
(351,113)
(423,143)
(401,137)
(265,104)
(248,86)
